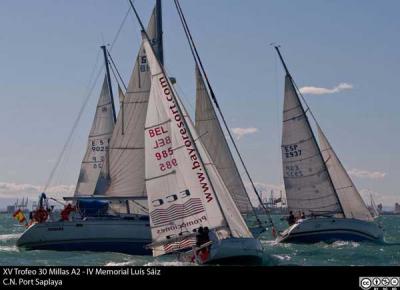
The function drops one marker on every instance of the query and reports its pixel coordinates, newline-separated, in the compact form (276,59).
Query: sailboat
(112,172)
(373,208)
(185,190)
(316,182)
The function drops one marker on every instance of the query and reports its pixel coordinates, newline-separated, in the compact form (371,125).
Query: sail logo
(160,217)
(170,198)
(193,155)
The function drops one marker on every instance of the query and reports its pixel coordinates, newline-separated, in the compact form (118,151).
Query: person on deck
(291,219)
(66,212)
(303,215)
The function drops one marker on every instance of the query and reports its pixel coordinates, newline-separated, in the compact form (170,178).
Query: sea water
(339,253)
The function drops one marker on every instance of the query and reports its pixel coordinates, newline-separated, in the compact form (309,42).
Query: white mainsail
(307,182)
(98,144)
(182,194)
(213,138)
(126,161)
(352,203)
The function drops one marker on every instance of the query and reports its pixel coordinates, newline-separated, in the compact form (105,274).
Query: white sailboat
(185,190)
(112,170)
(316,182)
(373,208)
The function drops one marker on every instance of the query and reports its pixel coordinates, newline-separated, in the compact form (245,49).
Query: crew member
(291,219)
(66,212)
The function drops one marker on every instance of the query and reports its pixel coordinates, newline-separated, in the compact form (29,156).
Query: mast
(103,47)
(199,64)
(308,123)
(159,39)
(178,106)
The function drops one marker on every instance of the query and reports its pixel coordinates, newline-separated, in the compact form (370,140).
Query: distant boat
(316,182)
(112,172)
(373,208)
(185,190)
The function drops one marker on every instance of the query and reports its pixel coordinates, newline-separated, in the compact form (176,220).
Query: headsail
(185,191)
(307,182)
(127,173)
(213,138)
(98,143)
(351,200)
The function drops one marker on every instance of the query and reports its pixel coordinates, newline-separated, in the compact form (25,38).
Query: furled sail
(307,182)
(183,192)
(351,200)
(126,158)
(213,138)
(98,143)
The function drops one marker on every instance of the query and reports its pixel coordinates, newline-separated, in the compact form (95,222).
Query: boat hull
(101,235)
(236,251)
(316,230)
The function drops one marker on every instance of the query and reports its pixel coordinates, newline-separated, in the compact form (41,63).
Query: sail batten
(98,144)
(307,180)
(212,136)
(351,200)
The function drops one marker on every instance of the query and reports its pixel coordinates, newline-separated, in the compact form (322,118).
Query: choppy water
(340,253)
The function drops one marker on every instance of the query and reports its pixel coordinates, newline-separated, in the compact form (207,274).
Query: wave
(173,263)
(282,257)
(9,237)
(119,264)
(8,249)
(339,244)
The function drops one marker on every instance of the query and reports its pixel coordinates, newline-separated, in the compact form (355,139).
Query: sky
(342,54)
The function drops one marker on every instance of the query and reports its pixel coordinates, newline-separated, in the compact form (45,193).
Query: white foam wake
(9,237)
(8,249)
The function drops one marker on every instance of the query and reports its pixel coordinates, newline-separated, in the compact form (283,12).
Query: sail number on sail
(99,146)
(160,143)
(292,151)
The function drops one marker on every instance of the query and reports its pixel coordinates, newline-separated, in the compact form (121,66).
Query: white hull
(231,251)
(326,229)
(96,234)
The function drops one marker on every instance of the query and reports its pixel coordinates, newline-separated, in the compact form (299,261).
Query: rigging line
(114,66)
(86,100)
(120,28)
(200,64)
(75,125)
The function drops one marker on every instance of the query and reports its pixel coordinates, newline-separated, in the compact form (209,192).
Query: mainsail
(185,190)
(98,144)
(307,181)
(126,158)
(213,138)
(351,200)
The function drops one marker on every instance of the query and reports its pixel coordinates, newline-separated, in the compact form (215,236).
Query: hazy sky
(346,54)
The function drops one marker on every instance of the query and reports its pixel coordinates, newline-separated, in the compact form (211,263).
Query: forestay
(213,138)
(98,143)
(307,182)
(126,169)
(351,200)
(182,194)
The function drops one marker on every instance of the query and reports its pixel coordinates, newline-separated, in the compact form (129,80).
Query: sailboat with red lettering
(190,206)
